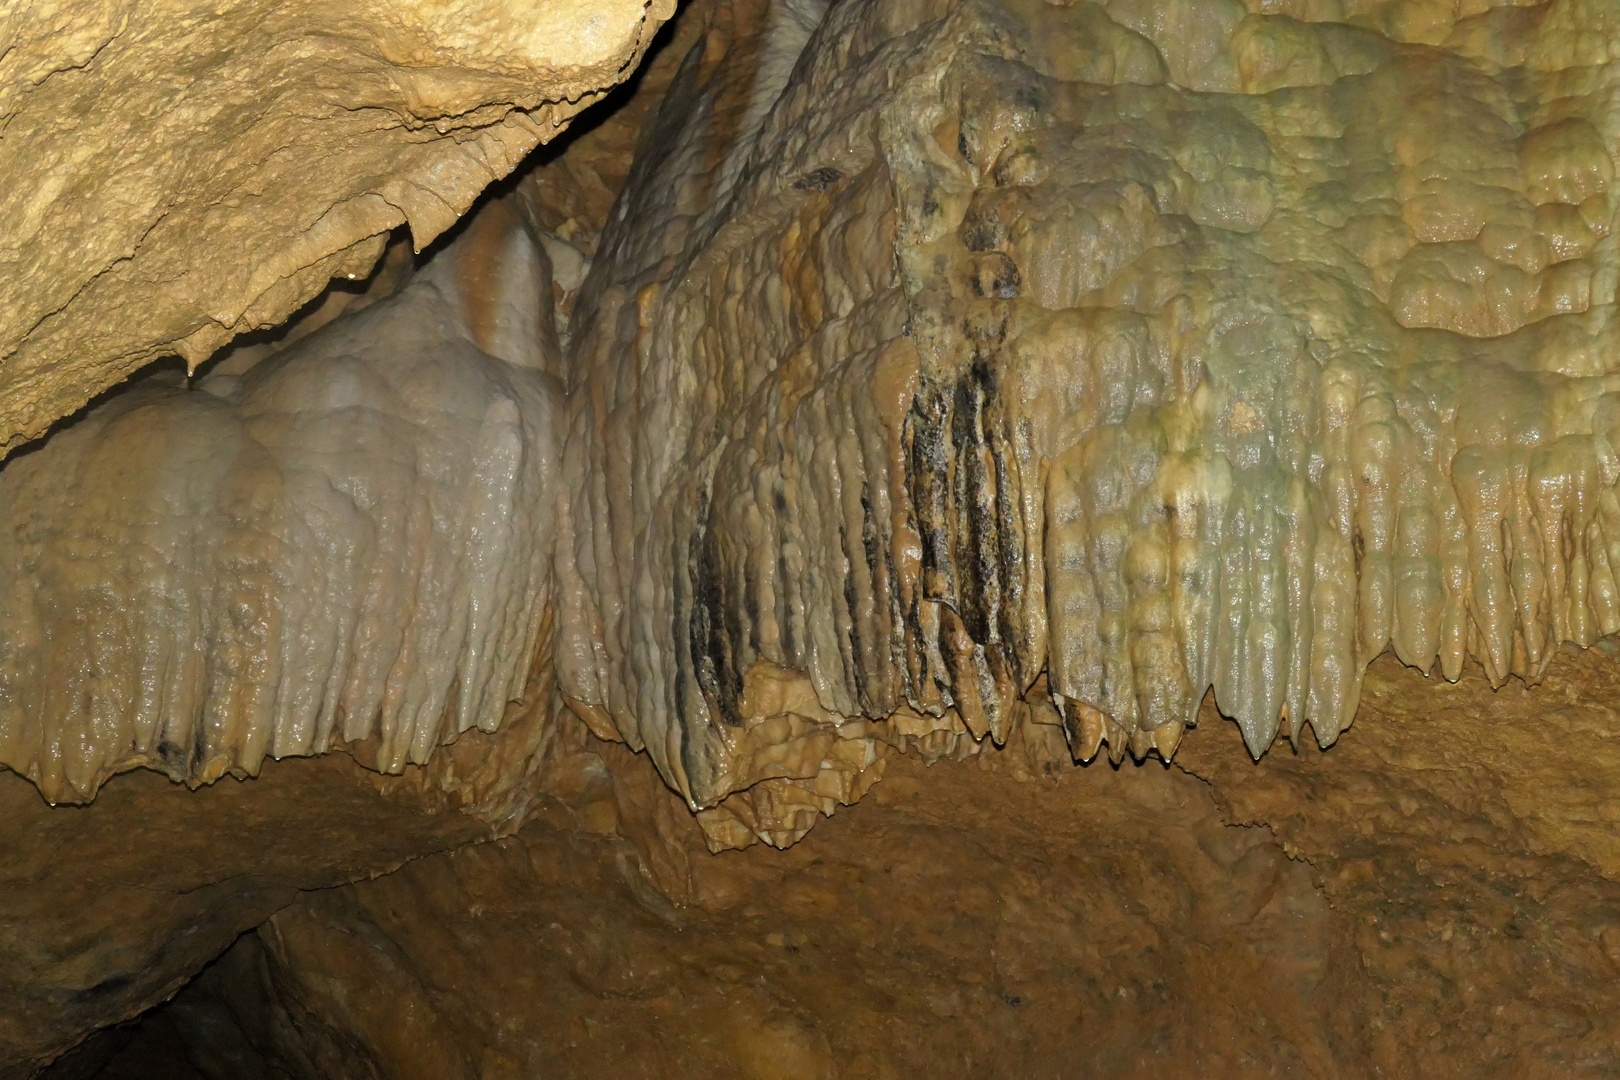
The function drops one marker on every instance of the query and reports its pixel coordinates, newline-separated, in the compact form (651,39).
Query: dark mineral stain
(818,179)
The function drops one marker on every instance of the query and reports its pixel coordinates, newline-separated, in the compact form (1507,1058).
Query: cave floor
(1395,916)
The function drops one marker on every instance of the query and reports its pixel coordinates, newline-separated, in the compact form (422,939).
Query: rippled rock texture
(179,172)
(990,381)
(349,545)
(1060,363)
(943,371)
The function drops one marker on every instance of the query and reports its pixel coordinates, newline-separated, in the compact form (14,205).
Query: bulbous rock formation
(1061,362)
(179,172)
(946,370)
(949,374)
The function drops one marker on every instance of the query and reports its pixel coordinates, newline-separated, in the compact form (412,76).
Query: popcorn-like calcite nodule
(1061,362)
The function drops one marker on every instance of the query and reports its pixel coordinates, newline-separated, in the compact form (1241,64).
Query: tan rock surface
(176,172)
(105,912)
(1026,936)
(1468,837)
(1369,265)
(106,909)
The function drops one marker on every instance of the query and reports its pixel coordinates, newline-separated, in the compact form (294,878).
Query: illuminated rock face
(945,371)
(1144,348)
(349,545)
(948,375)
(177,172)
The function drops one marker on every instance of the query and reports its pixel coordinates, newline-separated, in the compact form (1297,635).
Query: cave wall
(973,380)
(1058,364)
(944,370)
(348,544)
(1401,905)
(109,910)
(178,173)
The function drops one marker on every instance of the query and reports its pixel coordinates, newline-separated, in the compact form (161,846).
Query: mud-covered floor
(1377,910)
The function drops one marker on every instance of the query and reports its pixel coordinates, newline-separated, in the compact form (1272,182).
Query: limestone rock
(1146,348)
(756,975)
(348,545)
(178,172)
(106,910)
(952,374)
(1490,811)
(1353,914)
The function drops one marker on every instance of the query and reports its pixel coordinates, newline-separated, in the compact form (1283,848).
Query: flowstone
(950,373)
(347,546)
(1059,363)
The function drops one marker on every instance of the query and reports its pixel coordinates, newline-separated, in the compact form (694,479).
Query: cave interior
(857,539)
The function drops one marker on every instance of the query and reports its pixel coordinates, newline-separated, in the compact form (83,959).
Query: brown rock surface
(109,908)
(1438,895)
(104,912)
(955,924)
(178,172)
(1468,837)
(1368,911)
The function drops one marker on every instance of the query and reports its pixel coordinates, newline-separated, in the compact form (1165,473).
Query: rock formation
(179,172)
(1424,902)
(970,382)
(349,544)
(107,910)
(1059,342)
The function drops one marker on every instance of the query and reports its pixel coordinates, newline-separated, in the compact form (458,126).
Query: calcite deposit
(944,368)
(970,384)
(1064,362)
(348,545)
(178,172)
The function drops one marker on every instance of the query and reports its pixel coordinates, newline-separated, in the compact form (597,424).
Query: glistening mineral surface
(946,368)
(349,545)
(1145,346)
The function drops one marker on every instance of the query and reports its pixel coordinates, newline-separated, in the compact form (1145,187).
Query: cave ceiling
(939,380)
(178,173)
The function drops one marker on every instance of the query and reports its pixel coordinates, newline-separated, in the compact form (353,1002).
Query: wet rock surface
(1023,342)
(347,545)
(1018,375)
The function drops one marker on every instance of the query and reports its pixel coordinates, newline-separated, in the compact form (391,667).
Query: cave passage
(1145,469)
